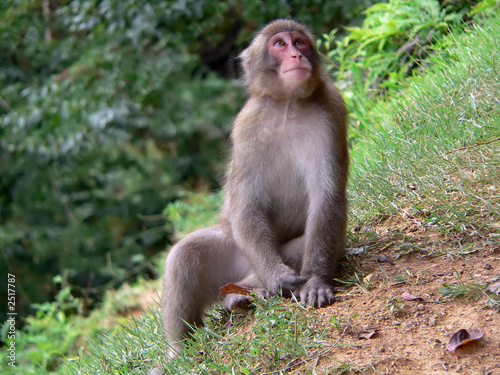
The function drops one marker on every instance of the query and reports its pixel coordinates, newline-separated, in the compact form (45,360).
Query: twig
(474,145)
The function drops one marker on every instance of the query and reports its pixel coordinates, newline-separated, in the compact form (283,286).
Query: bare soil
(411,336)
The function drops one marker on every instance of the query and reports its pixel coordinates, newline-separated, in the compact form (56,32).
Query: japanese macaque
(283,220)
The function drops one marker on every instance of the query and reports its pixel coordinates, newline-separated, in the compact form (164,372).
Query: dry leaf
(367,335)
(410,297)
(463,337)
(494,287)
(235,289)
(370,278)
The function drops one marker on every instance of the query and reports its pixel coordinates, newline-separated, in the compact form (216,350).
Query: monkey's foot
(239,301)
(236,301)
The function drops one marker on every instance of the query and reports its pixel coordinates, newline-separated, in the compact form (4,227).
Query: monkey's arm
(326,226)
(325,239)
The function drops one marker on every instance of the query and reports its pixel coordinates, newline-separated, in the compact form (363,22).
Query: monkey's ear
(244,57)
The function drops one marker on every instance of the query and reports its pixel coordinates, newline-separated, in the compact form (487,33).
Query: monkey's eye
(300,42)
(279,43)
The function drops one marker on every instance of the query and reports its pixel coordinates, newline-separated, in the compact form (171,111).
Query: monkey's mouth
(299,73)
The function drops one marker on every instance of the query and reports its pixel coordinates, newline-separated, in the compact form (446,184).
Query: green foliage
(98,131)
(47,336)
(484,5)
(196,211)
(392,42)
(59,328)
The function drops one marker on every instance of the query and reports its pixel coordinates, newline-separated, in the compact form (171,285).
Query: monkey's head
(282,61)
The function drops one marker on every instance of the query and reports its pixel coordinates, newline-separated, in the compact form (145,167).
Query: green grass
(279,337)
(433,154)
(436,155)
(470,291)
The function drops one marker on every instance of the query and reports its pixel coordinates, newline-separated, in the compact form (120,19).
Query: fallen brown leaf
(463,337)
(410,297)
(235,289)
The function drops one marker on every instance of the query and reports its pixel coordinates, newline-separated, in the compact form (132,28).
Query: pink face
(291,48)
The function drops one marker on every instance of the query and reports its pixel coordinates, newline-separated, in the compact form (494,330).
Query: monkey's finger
(309,296)
(325,297)
(317,297)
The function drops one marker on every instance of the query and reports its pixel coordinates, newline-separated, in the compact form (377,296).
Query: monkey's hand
(284,281)
(316,292)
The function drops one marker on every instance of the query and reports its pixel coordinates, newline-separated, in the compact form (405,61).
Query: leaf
(367,334)
(463,337)
(494,287)
(410,297)
(235,289)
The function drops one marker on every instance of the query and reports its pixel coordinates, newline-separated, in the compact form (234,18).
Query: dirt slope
(412,335)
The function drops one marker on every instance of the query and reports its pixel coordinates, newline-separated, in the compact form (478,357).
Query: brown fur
(282,225)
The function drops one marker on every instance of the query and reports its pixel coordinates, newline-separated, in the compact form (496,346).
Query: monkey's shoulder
(328,94)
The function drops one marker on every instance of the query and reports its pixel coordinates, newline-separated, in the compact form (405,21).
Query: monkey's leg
(195,269)
(292,252)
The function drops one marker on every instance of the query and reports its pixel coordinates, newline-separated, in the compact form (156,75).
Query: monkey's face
(290,51)
(282,62)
